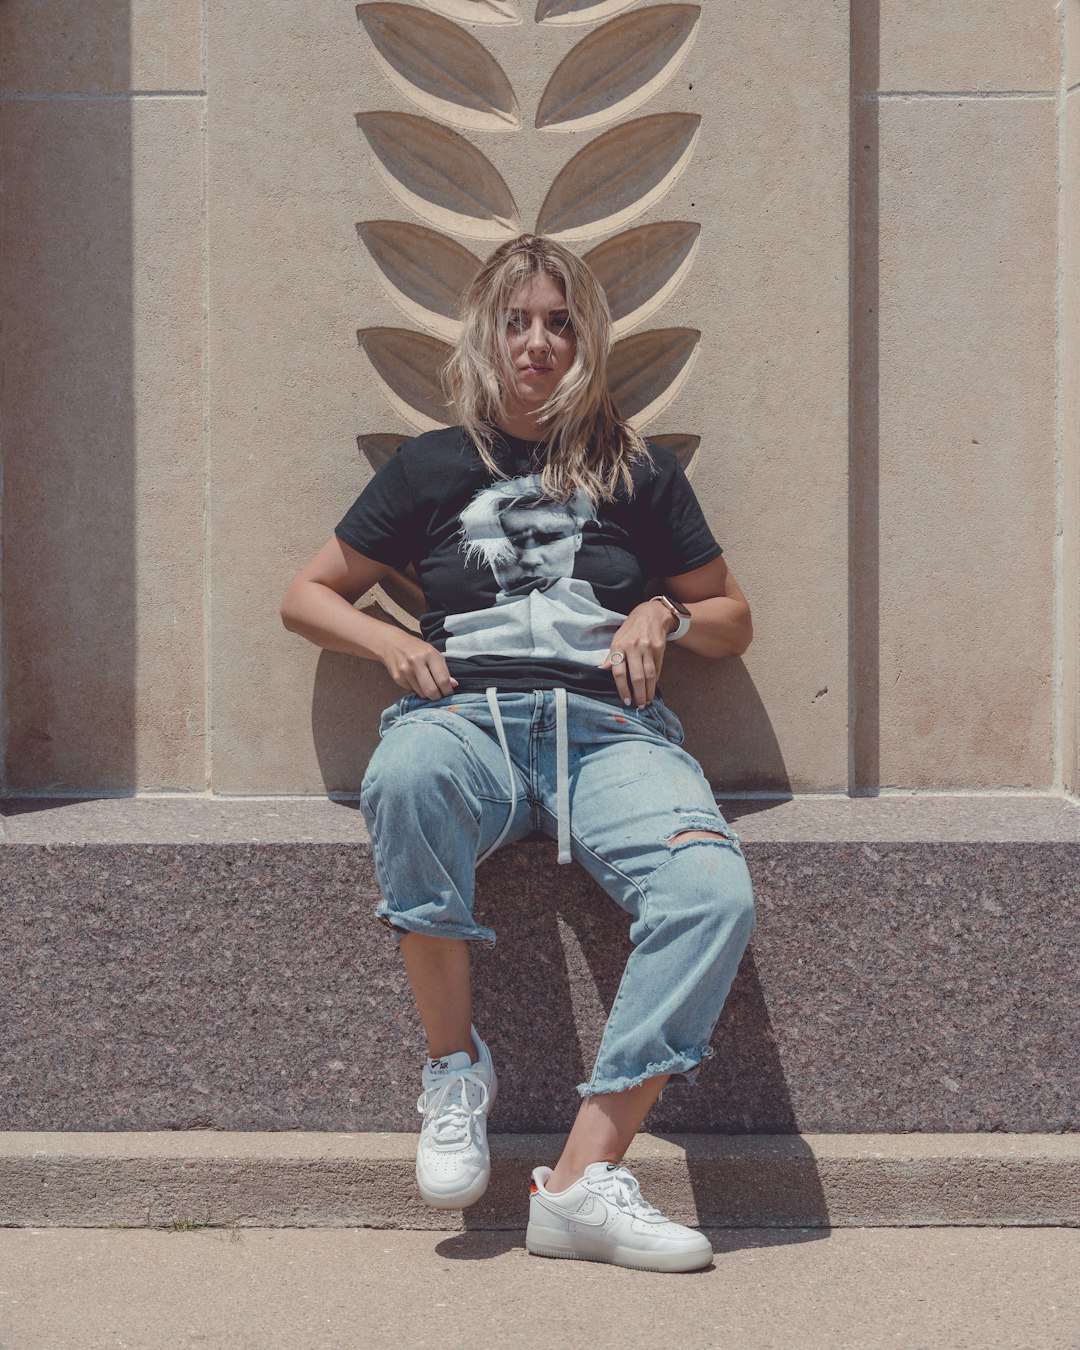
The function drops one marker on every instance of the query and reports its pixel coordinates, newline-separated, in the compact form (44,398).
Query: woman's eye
(516,323)
(563,327)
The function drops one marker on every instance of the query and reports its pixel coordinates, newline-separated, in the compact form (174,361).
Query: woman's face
(540,338)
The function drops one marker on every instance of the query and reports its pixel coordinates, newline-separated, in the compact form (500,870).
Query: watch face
(678,607)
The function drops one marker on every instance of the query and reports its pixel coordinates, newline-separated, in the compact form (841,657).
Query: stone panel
(1070,559)
(1072,43)
(909,45)
(108,47)
(103,472)
(955,344)
(291,283)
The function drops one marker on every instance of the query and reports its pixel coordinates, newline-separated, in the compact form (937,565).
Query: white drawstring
(562,776)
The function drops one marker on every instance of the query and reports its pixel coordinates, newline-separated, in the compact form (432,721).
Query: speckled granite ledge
(164,971)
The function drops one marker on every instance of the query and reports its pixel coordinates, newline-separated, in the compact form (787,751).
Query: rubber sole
(551,1242)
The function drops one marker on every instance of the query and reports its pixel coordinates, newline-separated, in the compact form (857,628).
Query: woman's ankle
(567,1173)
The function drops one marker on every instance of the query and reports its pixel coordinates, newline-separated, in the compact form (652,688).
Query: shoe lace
(625,1193)
(447,1105)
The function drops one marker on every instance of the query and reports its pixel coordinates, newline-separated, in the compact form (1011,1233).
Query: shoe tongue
(597,1171)
(460,1059)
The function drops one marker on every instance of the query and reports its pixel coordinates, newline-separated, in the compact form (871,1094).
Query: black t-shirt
(522,592)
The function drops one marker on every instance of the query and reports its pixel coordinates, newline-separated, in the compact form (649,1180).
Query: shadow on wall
(69,524)
(347,700)
(727,725)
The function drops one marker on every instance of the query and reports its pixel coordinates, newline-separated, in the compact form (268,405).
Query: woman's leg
(438,971)
(604,1129)
(435,797)
(646,827)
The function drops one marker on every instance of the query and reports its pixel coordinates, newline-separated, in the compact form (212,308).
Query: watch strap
(683,626)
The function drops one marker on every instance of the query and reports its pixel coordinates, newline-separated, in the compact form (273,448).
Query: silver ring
(617,658)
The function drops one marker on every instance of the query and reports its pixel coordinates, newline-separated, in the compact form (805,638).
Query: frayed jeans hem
(399,926)
(683,1069)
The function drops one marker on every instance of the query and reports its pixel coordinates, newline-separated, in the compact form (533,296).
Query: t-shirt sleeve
(381,523)
(676,537)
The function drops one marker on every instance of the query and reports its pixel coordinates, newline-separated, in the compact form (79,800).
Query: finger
(621,683)
(651,667)
(638,680)
(441,675)
(424,684)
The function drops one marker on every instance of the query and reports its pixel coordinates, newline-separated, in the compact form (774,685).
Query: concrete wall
(842,246)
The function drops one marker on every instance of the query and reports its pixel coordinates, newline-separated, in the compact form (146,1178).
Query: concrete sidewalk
(793,1289)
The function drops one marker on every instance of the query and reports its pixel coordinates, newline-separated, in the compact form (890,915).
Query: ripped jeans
(436,798)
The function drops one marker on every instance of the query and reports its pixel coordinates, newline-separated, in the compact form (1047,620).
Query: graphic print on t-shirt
(530,544)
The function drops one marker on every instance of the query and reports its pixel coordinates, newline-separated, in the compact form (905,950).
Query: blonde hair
(591,447)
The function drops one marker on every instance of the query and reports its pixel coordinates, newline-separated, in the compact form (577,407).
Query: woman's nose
(536,339)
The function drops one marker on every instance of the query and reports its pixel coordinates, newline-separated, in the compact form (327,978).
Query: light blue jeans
(437,797)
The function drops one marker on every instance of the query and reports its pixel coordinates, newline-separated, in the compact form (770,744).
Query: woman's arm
(719,626)
(319,605)
(720,623)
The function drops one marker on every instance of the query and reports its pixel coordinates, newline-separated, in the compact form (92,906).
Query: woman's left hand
(643,641)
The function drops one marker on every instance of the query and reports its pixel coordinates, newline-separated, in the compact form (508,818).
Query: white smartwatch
(681,613)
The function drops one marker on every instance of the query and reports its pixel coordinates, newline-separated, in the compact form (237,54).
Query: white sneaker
(604,1217)
(453,1165)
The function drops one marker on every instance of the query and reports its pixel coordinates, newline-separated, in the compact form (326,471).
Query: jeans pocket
(665,721)
(395,710)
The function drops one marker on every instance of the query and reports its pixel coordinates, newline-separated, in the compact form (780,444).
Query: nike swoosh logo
(594,1217)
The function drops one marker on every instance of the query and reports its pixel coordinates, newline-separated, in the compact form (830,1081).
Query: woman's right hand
(319,605)
(415,664)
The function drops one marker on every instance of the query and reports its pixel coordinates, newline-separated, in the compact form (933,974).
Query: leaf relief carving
(440,175)
(476,11)
(578,11)
(618,175)
(647,370)
(683,447)
(440,67)
(400,594)
(639,269)
(618,68)
(408,365)
(379,446)
(425,273)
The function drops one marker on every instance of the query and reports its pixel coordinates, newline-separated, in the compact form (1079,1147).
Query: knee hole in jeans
(686,836)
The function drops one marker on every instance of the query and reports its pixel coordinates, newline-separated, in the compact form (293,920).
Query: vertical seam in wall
(3,650)
(207,708)
(852,664)
(1057,765)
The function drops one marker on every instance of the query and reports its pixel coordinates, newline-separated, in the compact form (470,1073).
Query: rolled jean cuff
(683,1069)
(400,924)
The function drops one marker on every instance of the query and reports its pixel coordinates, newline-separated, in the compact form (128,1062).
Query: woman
(532,703)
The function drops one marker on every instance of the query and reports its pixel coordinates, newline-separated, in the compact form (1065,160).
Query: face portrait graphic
(543,539)
(528,541)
